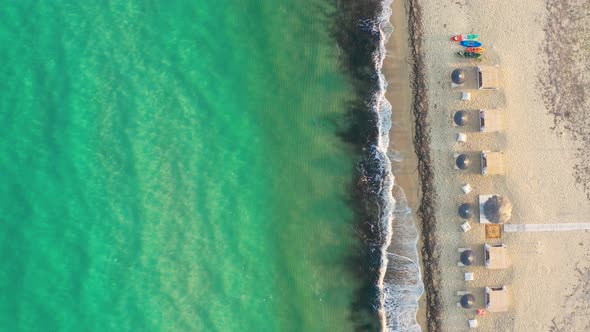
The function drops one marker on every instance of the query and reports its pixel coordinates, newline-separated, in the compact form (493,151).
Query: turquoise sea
(174,166)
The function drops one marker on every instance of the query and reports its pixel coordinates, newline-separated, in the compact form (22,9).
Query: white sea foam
(400,282)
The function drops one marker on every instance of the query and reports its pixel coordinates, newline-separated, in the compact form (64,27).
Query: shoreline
(401,152)
(385,277)
(360,40)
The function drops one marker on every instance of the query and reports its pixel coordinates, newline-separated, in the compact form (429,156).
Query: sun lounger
(469,276)
(466,96)
(465,226)
(473,323)
(461,293)
(461,137)
(466,188)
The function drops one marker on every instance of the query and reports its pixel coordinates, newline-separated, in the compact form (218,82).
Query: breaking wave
(400,284)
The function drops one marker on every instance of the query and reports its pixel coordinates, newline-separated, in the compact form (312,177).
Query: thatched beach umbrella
(463,161)
(497,209)
(458,76)
(467,257)
(466,211)
(461,118)
(467,301)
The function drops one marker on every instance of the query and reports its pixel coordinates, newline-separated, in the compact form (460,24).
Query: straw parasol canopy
(458,76)
(461,118)
(463,161)
(466,211)
(467,301)
(497,209)
(467,257)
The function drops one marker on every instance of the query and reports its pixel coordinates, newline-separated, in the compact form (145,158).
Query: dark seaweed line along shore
(357,33)
(430,253)
(359,38)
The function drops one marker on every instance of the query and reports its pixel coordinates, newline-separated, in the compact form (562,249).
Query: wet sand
(401,152)
(397,72)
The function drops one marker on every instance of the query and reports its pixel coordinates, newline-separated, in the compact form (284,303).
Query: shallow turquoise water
(173,166)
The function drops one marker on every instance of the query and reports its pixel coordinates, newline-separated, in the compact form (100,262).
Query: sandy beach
(544,157)
(404,286)
(398,68)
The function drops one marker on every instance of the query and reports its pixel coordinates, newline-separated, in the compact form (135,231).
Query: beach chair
(461,293)
(469,276)
(465,96)
(465,226)
(473,323)
(461,138)
(466,188)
